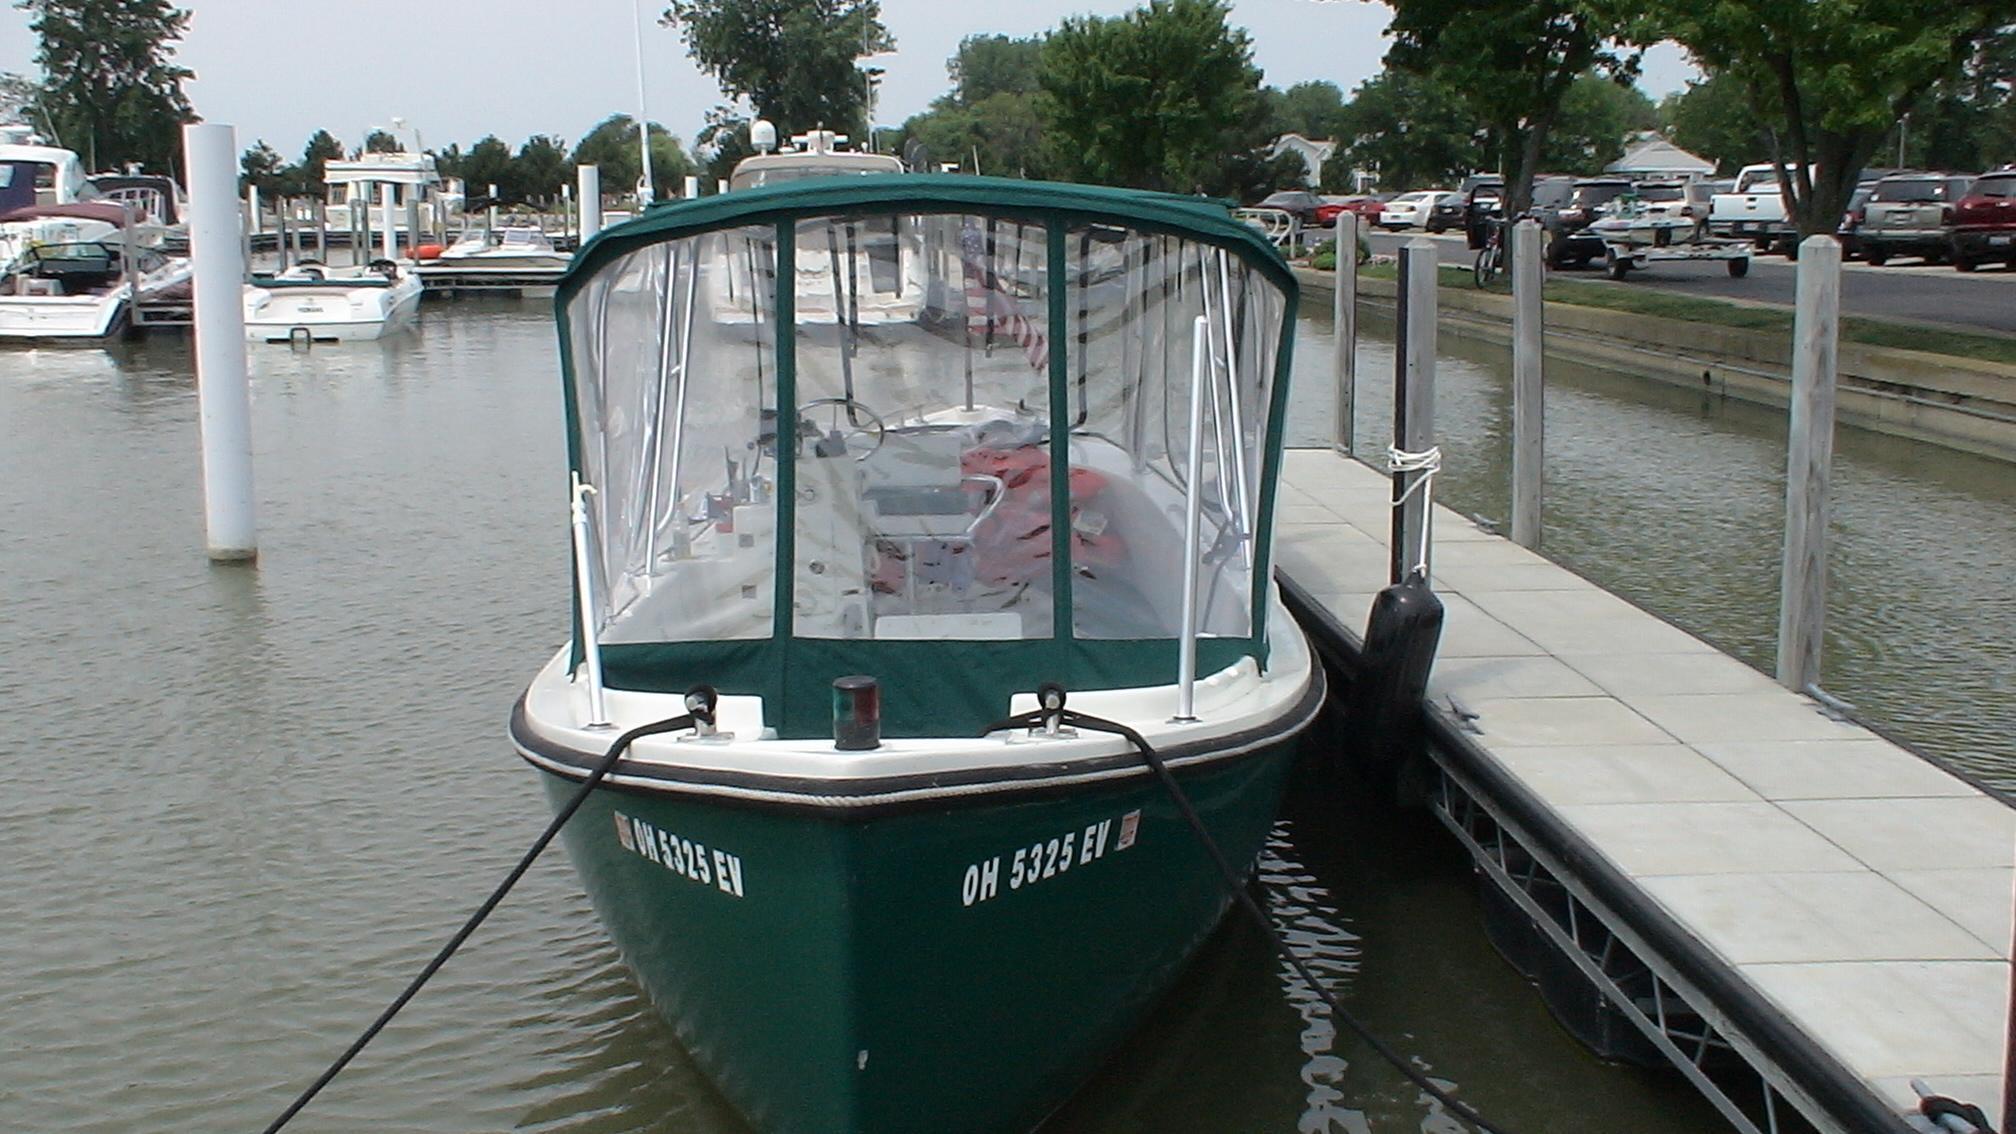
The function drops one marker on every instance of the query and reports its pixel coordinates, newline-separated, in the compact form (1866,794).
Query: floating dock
(1797,913)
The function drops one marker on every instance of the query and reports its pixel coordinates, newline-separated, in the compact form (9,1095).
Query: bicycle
(1490,258)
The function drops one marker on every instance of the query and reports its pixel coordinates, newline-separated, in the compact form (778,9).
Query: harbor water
(242,807)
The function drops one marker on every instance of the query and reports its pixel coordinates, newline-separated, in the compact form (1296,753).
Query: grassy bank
(1744,316)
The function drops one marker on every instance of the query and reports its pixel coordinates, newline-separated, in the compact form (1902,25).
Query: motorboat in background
(855,902)
(315,303)
(158,204)
(506,257)
(420,195)
(76,271)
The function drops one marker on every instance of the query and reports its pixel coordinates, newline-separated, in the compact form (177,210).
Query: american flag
(992,310)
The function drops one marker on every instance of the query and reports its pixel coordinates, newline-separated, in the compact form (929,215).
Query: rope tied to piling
(1426,462)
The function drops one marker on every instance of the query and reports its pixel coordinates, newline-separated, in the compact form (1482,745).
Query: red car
(1367,208)
(1984,222)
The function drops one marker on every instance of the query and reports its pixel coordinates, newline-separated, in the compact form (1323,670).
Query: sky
(454,70)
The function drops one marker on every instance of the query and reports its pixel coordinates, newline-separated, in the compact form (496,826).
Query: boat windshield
(24,183)
(940,427)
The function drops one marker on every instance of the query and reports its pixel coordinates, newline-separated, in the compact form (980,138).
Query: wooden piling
(1413,402)
(1346,325)
(1816,325)
(1529,399)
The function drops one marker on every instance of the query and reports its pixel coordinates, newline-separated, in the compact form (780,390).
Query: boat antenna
(644,193)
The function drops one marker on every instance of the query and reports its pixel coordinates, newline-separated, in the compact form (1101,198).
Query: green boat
(864,462)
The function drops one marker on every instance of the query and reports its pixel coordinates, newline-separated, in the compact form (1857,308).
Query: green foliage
(112,90)
(488,163)
(380,142)
(1411,129)
(262,166)
(1715,118)
(725,141)
(993,114)
(1834,78)
(322,147)
(987,65)
(612,145)
(1596,116)
(20,100)
(1160,98)
(1514,61)
(1967,122)
(539,170)
(794,60)
(1314,110)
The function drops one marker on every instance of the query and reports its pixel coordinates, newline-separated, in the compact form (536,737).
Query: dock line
(1054,717)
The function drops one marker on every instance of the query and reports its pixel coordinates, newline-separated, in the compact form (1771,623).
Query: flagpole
(644,187)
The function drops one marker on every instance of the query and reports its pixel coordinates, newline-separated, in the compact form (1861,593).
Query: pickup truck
(1911,215)
(1754,209)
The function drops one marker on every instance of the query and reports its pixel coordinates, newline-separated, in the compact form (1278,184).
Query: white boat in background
(324,305)
(509,248)
(73,272)
(160,208)
(418,192)
(32,173)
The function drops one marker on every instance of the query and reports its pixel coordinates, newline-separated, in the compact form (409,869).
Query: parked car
(1849,231)
(1912,214)
(1485,203)
(1409,210)
(1984,222)
(1447,213)
(1298,203)
(1567,242)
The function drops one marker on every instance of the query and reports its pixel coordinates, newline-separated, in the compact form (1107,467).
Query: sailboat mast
(644,193)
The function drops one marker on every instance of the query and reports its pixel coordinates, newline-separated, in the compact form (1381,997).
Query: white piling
(252,209)
(1414,407)
(210,154)
(388,239)
(692,187)
(493,208)
(590,192)
(1809,458)
(1529,396)
(721,185)
(1345,362)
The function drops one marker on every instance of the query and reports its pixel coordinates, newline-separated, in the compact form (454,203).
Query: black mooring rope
(1040,718)
(702,704)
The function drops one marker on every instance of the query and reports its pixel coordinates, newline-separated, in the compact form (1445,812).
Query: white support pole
(1809,458)
(252,209)
(1529,396)
(1414,404)
(692,187)
(1193,520)
(721,185)
(493,208)
(224,399)
(591,648)
(590,192)
(388,238)
(1345,361)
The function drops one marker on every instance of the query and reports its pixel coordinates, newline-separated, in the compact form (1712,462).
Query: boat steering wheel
(873,428)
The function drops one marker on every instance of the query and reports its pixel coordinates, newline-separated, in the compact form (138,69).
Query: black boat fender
(1385,728)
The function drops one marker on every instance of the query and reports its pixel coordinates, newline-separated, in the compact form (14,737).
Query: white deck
(1859,888)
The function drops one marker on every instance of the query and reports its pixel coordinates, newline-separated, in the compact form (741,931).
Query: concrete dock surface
(1859,889)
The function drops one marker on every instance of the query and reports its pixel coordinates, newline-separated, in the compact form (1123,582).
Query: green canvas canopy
(1002,372)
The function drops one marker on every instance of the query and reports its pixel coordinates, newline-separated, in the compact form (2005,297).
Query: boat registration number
(684,857)
(1047,858)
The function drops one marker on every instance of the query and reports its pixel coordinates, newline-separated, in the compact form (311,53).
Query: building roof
(1659,156)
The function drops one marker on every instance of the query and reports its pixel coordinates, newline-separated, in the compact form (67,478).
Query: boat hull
(914,969)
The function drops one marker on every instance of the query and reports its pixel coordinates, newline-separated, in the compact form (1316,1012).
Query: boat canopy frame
(793,674)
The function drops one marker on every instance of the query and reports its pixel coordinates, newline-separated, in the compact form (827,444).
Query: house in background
(1313,154)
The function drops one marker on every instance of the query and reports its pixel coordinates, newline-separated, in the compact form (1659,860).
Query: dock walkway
(1833,908)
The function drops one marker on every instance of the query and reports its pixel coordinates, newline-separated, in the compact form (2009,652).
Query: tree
(1156,99)
(1833,79)
(380,142)
(1964,122)
(322,148)
(488,163)
(1715,119)
(987,65)
(612,145)
(20,99)
(539,170)
(1411,130)
(263,167)
(794,60)
(1313,109)
(111,88)
(1515,61)
(1597,114)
